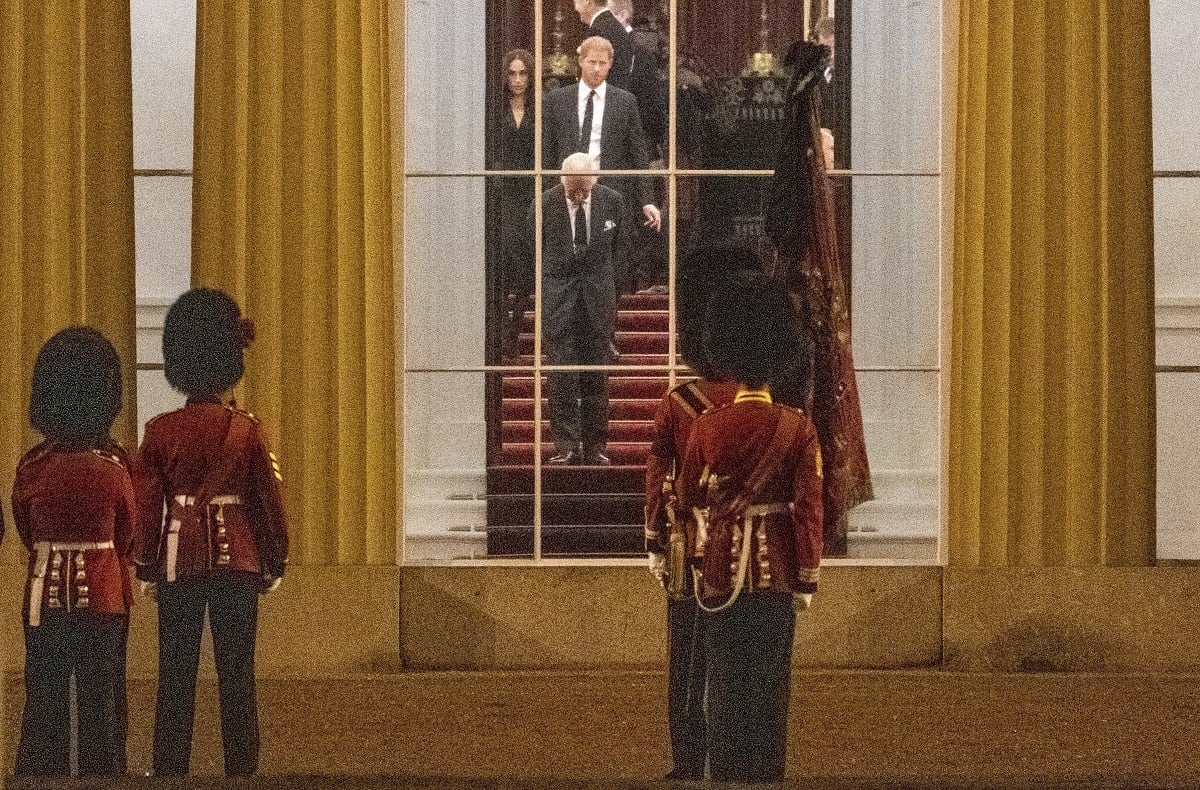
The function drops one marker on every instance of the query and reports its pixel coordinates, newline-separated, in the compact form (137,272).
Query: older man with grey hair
(583,225)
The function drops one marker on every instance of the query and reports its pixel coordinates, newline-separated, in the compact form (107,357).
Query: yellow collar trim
(752,396)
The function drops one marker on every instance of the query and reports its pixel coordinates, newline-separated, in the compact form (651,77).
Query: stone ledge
(1072,619)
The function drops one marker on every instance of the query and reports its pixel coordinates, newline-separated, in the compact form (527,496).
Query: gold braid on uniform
(752,396)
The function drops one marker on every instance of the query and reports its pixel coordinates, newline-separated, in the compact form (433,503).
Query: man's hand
(653,216)
(658,565)
(803,601)
(270,584)
(149,590)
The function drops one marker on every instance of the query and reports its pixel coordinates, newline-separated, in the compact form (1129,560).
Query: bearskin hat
(753,332)
(76,387)
(704,271)
(204,338)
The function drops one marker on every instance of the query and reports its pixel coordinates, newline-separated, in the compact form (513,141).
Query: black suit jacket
(608,26)
(622,143)
(569,280)
(607,233)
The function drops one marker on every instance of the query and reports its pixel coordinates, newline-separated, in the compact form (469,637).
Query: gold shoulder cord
(752,396)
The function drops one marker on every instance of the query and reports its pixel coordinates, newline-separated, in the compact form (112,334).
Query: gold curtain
(1052,371)
(66,199)
(292,216)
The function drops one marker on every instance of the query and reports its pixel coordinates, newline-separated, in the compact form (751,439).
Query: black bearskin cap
(203,341)
(703,272)
(752,332)
(76,387)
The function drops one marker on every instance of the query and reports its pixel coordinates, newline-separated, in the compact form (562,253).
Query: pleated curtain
(292,215)
(66,201)
(1052,425)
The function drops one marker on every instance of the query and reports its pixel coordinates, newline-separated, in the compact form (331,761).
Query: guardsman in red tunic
(223,539)
(751,477)
(701,273)
(73,507)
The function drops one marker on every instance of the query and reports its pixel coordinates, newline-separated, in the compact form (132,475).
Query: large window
(478,363)
(1175,26)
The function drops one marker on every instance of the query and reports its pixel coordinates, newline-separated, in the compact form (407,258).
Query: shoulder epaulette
(108,455)
(691,398)
(250,416)
(158,417)
(36,452)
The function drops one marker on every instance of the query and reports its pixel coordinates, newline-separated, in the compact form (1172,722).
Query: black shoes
(595,458)
(592,457)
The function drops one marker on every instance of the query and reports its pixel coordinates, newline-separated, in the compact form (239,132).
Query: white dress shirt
(597,117)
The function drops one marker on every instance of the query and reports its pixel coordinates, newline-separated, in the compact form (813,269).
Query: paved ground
(927,729)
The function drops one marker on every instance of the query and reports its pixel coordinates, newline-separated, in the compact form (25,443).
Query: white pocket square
(609,224)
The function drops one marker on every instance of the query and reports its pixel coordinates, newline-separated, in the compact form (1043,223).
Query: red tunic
(730,440)
(177,451)
(672,426)
(64,496)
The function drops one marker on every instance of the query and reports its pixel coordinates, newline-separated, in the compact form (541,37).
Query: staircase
(586,510)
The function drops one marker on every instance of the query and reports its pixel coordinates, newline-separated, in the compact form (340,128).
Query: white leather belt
(767,509)
(751,513)
(43,549)
(174,525)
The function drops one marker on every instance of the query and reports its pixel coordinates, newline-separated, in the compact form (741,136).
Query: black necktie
(580,229)
(585,131)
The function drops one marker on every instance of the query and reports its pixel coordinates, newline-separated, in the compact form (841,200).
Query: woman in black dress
(516,193)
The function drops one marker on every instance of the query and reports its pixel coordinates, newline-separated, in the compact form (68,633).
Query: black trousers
(749,656)
(685,687)
(231,601)
(576,331)
(89,646)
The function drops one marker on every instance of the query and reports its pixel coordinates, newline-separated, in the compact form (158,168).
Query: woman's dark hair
(523,55)
(203,341)
(752,332)
(702,272)
(76,387)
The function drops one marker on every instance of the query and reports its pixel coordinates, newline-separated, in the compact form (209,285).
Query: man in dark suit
(582,227)
(601,121)
(646,82)
(600,21)
(610,131)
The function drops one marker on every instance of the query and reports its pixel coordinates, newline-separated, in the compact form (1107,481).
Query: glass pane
(446,86)
(895,271)
(1176,239)
(1174,63)
(900,415)
(604,283)
(895,86)
(1178,502)
(154,396)
(447,271)
(163,236)
(879,98)
(163,35)
(592,501)
(446,471)
(888,242)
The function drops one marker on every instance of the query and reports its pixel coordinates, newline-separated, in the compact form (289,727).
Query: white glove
(658,565)
(803,601)
(148,589)
(272,584)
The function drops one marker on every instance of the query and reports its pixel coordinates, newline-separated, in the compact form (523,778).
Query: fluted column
(1052,368)
(292,216)
(66,199)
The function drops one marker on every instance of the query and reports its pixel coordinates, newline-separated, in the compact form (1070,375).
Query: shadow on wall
(1040,644)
